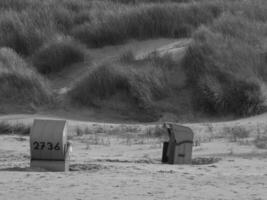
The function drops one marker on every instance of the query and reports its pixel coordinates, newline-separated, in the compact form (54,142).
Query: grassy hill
(221,72)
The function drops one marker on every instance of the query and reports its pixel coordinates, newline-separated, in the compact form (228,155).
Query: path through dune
(61,82)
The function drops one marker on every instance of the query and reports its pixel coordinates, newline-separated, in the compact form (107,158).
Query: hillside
(134,60)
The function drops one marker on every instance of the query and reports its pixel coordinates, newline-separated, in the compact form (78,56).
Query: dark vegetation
(28,25)
(19,129)
(225,65)
(236,133)
(57,55)
(140,84)
(20,85)
(147,21)
(261,142)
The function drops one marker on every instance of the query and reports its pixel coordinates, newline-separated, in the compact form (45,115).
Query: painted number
(46,145)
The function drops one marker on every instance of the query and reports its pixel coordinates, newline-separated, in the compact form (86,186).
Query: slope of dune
(96,57)
(63,82)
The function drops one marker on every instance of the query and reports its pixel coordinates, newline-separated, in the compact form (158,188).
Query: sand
(118,165)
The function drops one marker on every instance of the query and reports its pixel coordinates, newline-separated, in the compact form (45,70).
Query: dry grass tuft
(225,68)
(107,80)
(58,55)
(261,142)
(20,84)
(146,21)
(18,129)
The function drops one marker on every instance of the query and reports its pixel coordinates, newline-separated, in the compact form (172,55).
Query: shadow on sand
(73,167)
(23,169)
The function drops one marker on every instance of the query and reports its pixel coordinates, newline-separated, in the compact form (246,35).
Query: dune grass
(146,21)
(28,24)
(225,66)
(107,80)
(18,129)
(141,84)
(25,31)
(58,55)
(14,4)
(20,84)
(261,142)
(31,28)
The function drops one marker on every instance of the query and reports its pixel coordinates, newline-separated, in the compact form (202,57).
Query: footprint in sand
(185,173)
(191,178)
